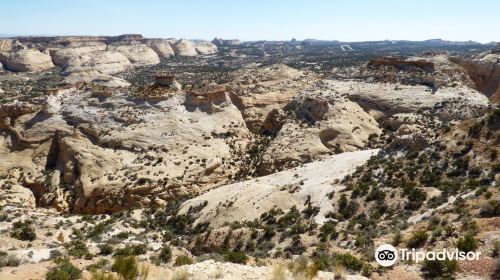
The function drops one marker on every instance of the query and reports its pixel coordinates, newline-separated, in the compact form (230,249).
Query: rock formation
(139,55)
(204,47)
(184,48)
(162,47)
(230,42)
(27,61)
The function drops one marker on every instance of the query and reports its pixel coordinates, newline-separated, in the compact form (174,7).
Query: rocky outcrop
(100,145)
(139,55)
(402,65)
(6,45)
(184,48)
(334,125)
(485,73)
(204,47)
(162,47)
(28,61)
(230,42)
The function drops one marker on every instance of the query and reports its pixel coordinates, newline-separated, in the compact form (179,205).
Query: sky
(347,20)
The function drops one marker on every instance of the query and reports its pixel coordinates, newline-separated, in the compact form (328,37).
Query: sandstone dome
(184,48)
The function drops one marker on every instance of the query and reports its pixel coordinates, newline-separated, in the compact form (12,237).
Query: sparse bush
(8,260)
(165,254)
(23,231)
(302,269)
(349,261)
(183,260)
(236,257)
(64,270)
(78,248)
(105,250)
(126,267)
(490,209)
(440,269)
(467,243)
(418,239)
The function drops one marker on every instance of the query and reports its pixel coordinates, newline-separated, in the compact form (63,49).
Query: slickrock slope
(248,200)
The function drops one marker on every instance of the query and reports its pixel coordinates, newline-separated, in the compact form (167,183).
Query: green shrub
(490,209)
(349,261)
(77,248)
(23,231)
(133,250)
(418,239)
(236,257)
(165,254)
(64,270)
(8,260)
(183,260)
(496,272)
(105,250)
(467,243)
(436,269)
(327,231)
(126,267)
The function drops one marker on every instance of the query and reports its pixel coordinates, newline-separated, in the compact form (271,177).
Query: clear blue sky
(347,20)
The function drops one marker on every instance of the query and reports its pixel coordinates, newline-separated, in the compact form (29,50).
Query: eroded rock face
(130,154)
(139,55)
(318,123)
(28,61)
(184,48)
(485,73)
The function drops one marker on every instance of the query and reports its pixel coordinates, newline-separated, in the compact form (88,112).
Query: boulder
(161,47)
(139,55)
(28,61)
(204,47)
(184,48)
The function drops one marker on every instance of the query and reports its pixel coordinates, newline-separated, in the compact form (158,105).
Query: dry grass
(278,272)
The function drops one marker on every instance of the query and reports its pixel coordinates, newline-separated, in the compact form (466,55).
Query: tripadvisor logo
(387,255)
